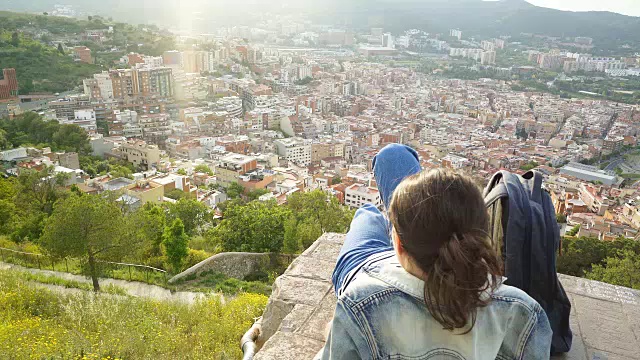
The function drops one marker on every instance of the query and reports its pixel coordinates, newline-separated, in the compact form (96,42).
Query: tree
(234,190)
(308,232)
(336,180)
(8,210)
(89,227)
(322,209)
(119,171)
(255,227)
(36,192)
(148,224)
(528,166)
(73,138)
(176,194)
(4,142)
(304,81)
(522,134)
(291,242)
(194,215)
(203,168)
(579,255)
(182,172)
(175,243)
(255,194)
(574,231)
(561,218)
(15,39)
(622,270)
(60,49)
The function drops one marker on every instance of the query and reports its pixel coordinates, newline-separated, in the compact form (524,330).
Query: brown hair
(442,223)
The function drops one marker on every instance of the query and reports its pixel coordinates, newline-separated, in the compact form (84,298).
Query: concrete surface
(605,318)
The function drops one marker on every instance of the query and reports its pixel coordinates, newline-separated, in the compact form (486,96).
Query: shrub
(194,257)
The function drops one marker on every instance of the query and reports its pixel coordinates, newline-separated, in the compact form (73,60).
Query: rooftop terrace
(605,319)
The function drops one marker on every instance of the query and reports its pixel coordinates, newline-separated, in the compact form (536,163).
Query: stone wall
(605,319)
(301,304)
(236,264)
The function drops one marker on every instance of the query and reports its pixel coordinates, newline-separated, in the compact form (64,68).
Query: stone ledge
(605,319)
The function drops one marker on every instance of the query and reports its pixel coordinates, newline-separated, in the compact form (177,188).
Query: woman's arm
(538,343)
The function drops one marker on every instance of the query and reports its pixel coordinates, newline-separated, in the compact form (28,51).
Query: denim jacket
(381,314)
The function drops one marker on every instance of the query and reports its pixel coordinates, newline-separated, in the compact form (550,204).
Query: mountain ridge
(473,17)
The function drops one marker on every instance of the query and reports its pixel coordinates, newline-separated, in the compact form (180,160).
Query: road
(614,164)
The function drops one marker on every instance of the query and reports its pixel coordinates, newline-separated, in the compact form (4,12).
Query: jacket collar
(391,272)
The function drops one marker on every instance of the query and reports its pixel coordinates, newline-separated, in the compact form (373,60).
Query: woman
(423,282)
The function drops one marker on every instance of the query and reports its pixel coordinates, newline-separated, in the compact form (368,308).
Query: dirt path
(133,288)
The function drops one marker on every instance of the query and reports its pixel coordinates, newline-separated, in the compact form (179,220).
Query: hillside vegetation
(41,324)
(39,67)
(27,44)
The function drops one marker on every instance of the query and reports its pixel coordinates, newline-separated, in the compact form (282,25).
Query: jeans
(369,233)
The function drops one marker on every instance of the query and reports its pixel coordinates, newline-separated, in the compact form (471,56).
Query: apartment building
(357,195)
(83,54)
(140,154)
(155,127)
(294,150)
(155,81)
(8,84)
(232,166)
(65,108)
(456,162)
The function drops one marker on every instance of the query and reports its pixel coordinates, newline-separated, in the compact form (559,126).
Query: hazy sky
(627,7)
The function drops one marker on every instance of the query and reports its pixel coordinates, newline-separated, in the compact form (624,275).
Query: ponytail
(462,271)
(442,224)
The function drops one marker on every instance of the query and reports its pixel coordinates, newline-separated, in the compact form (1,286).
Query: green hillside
(41,68)
(26,44)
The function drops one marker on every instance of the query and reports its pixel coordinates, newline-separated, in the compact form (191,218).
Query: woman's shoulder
(512,296)
(381,278)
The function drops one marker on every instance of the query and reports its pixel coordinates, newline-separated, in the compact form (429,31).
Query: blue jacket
(381,314)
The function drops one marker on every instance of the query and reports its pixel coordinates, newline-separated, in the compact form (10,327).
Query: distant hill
(485,18)
(490,18)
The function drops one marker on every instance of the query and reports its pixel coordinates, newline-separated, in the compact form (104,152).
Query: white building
(454,161)
(387,41)
(153,61)
(488,58)
(304,72)
(104,84)
(357,195)
(126,116)
(295,150)
(85,118)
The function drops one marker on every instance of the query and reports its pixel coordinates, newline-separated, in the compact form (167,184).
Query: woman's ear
(397,244)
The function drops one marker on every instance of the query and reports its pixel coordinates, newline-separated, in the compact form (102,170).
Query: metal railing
(41,261)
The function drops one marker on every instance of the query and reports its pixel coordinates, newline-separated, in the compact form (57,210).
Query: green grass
(36,323)
(211,281)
